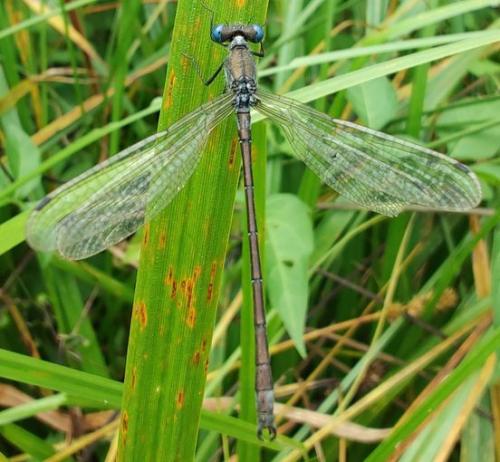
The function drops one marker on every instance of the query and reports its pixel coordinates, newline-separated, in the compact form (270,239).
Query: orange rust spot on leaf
(170,277)
(167,102)
(141,314)
(174,289)
(180,400)
(191,317)
(232,153)
(162,240)
(185,64)
(124,423)
(211,282)
(240,3)
(186,288)
(204,345)
(189,292)
(134,378)
(197,23)
(206,366)
(145,236)
(196,358)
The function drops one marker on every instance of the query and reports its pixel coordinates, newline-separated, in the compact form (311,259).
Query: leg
(198,70)
(215,74)
(260,53)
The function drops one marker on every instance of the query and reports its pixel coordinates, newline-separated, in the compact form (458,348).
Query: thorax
(241,76)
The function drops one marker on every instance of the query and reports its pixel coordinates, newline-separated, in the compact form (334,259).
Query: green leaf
(486,68)
(490,171)
(12,232)
(344,81)
(40,18)
(289,245)
(489,343)
(84,389)
(475,146)
(31,408)
(366,51)
(76,331)
(429,443)
(477,441)
(27,442)
(495,287)
(182,258)
(375,102)
(24,156)
(22,153)
(76,146)
(329,230)
(80,387)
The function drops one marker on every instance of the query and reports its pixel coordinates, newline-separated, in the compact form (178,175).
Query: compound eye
(259,33)
(216,33)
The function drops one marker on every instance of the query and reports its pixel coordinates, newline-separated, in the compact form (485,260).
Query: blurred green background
(383,331)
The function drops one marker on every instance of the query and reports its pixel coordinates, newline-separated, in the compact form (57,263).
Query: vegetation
(383,332)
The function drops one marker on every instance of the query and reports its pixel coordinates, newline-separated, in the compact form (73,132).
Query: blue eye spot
(216,33)
(259,33)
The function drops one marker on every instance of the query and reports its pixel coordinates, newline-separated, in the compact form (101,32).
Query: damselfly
(377,171)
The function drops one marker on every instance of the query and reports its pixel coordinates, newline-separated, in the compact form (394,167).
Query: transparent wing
(108,202)
(374,170)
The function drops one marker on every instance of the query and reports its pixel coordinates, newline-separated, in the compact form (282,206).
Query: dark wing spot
(138,185)
(462,167)
(43,203)
(417,185)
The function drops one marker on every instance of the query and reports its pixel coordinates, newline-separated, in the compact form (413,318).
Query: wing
(107,203)
(377,171)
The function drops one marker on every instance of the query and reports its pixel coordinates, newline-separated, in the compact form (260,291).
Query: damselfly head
(222,33)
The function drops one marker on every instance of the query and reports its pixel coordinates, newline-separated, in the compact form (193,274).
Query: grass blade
(182,260)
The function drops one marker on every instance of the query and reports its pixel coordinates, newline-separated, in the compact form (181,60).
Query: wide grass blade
(182,260)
